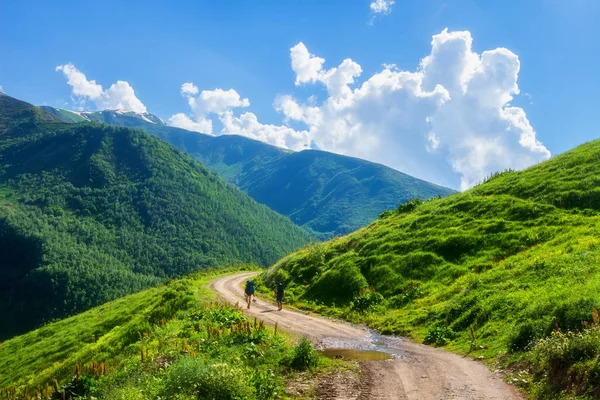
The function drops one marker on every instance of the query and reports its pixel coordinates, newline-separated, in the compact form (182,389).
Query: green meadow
(508,271)
(174,341)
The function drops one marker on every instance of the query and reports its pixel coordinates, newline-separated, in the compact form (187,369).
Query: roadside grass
(493,272)
(173,341)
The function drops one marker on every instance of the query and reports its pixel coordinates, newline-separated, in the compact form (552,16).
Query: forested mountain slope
(327,194)
(511,266)
(91,212)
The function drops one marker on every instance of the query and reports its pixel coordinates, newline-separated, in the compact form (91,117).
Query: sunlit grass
(489,272)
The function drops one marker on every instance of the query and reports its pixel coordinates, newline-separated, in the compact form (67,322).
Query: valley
(308,200)
(326,194)
(90,213)
(505,273)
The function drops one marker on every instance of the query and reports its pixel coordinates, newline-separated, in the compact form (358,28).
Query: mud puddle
(356,355)
(373,347)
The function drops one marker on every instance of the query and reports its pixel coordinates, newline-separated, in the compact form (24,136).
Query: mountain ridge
(90,212)
(277,177)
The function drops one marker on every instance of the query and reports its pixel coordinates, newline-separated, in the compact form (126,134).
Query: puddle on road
(356,355)
(372,347)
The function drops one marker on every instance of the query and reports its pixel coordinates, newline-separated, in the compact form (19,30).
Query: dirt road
(416,372)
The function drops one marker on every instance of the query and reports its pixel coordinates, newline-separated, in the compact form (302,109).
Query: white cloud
(202,125)
(119,96)
(247,125)
(309,69)
(217,101)
(306,66)
(381,6)
(208,102)
(449,121)
(189,88)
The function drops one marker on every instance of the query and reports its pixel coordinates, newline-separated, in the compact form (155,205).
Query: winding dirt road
(416,371)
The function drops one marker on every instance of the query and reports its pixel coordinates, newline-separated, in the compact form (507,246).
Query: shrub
(367,299)
(225,316)
(523,336)
(555,354)
(184,376)
(339,284)
(386,214)
(77,387)
(266,384)
(215,382)
(439,336)
(408,206)
(305,356)
(224,382)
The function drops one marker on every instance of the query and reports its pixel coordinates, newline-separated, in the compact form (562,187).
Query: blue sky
(156,46)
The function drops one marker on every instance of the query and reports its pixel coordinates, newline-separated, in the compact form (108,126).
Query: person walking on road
(249,292)
(279,294)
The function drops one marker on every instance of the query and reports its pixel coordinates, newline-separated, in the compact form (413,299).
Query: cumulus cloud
(181,120)
(306,66)
(449,120)
(189,88)
(247,125)
(309,69)
(208,102)
(119,96)
(381,6)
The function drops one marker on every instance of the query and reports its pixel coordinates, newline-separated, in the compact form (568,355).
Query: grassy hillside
(325,193)
(90,212)
(509,270)
(173,341)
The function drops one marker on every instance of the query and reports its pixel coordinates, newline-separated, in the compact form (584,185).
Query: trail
(416,372)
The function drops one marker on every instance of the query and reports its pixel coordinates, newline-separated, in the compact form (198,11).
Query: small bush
(305,356)
(522,337)
(341,283)
(439,336)
(408,206)
(215,382)
(367,300)
(184,376)
(266,384)
(77,387)
(555,354)
(386,214)
(225,382)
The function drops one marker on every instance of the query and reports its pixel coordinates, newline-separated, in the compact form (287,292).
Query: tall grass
(490,272)
(175,341)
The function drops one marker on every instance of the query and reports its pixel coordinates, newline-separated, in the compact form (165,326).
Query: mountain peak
(113,117)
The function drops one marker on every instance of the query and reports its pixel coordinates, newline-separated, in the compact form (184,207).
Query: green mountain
(91,212)
(507,271)
(325,193)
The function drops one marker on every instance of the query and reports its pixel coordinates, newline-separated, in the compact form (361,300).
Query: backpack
(250,286)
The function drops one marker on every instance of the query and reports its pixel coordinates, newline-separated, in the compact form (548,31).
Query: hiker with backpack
(249,291)
(279,294)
